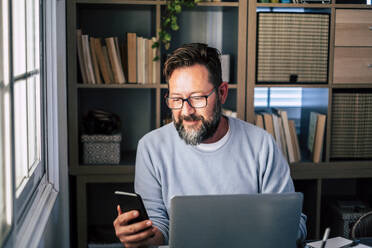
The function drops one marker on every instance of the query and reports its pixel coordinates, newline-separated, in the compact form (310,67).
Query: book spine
(108,65)
(102,62)
(81,56)
(88,59)
(95,62)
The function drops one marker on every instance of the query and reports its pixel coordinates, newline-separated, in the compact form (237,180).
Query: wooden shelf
(352,6)
(134,2)
(231,86)
(293,5)
(328,170)
(83,170)
(118,86)
(294,85)
(351,86)
(154,2)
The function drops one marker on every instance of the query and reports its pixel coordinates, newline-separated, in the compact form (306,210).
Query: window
(5,187)
(22,114)
(277,97)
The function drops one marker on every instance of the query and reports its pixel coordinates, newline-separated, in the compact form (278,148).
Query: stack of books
(284,132)
(114,62)
(351,125)
(316,135)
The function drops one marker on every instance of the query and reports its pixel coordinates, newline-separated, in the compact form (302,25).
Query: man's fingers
(135,228)
(118,208)
(126,217)
(140,237)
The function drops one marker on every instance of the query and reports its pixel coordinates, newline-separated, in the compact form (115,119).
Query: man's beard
(205,131)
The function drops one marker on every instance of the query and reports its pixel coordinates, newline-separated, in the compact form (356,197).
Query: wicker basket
(101,149)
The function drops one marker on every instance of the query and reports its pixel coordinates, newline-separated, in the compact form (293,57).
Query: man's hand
(138,234)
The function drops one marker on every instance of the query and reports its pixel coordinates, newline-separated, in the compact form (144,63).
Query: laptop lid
(258,220)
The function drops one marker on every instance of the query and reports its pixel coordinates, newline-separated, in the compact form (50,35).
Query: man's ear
(223,91)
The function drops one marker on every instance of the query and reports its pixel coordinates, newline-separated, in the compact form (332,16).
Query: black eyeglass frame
(188,101)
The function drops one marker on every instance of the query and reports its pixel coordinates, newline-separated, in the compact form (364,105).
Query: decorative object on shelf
(169,21)
(101,149)
(101,138)
(292,47)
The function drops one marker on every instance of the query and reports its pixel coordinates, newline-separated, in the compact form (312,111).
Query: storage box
(344,215)
(101,149)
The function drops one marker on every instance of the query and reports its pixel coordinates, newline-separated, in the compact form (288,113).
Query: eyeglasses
(193,101)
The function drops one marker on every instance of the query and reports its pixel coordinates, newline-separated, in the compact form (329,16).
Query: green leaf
(175,27)
(156,58)
(166,21)
(178,8)
(174,20)
(155,44)
(167,37)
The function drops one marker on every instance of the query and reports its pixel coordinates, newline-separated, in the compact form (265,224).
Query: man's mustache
(192,118)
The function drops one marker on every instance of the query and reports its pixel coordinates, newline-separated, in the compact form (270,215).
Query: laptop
(258,220)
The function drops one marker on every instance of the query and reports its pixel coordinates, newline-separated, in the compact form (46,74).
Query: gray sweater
(248,163)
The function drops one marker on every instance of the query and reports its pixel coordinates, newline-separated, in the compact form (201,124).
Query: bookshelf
(319,181)
(142,108)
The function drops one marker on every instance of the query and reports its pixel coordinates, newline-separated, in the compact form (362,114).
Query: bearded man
(202,152)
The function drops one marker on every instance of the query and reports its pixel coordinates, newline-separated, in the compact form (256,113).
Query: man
(201,152)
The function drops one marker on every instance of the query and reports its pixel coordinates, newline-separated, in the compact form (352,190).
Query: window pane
(20,131)
(19,37)
(34,122)
(37,34)
(30,31)
(31,121)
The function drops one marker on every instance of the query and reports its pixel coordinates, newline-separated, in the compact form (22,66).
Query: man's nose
(187,109)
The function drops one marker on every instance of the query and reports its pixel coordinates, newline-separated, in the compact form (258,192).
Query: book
(149,61)
(268,122)
(319,137)
(108,64)
(155,64)
(139,60)
(277,131)
(282,138)
(287,135)
(119,55)
(88,59)
(132,57)
(337,242)
(102,62)
(80,56)
(311,133)
(114,59)
(146,68)
(296,146)
(95,61)
(259,121)
(225,67)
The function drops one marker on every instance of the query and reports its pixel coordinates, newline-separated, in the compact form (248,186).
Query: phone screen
(131,201)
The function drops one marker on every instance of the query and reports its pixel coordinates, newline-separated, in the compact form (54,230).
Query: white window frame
(29,230)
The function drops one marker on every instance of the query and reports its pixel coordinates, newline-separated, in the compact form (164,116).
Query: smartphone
(131,201)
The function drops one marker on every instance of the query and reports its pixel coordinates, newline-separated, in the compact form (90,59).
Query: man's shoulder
(160,134)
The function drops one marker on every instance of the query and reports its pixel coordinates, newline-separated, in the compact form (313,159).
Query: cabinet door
(353,27)
(353,65)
